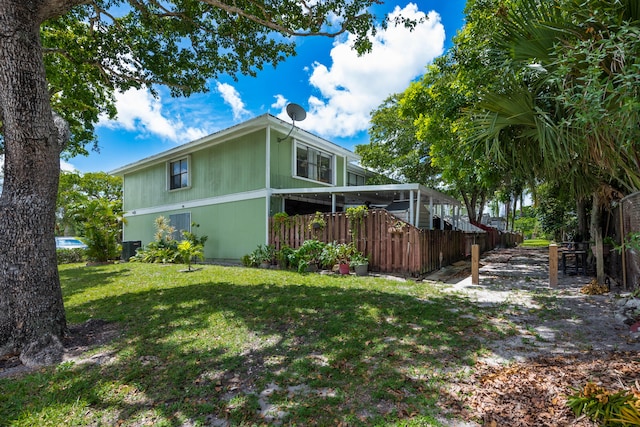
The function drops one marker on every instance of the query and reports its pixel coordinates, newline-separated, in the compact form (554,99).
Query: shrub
(309,254)
(605,407)
(165,249)
(70,256)
(262,254)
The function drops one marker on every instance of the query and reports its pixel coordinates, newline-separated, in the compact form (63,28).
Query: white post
(430,212)
(412,220)
(417,224)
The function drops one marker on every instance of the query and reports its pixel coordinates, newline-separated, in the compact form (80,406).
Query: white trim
(236,197)
(441,198)
(412,212)
(267,180)
(250,126)
(267,140)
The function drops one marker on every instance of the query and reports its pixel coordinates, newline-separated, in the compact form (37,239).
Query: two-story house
(232,181)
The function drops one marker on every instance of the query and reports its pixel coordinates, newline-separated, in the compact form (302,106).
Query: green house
(232,181)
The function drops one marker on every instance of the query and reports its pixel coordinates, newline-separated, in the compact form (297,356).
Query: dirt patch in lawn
(78,343)
(559,339)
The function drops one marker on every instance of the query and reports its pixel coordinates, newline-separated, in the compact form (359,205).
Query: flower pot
(361,269)
(343,268)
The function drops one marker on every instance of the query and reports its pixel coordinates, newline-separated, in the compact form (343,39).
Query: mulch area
(535,393)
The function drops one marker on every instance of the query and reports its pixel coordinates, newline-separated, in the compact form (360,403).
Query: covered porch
(415,204)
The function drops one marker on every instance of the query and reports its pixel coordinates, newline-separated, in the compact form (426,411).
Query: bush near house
(165,249)
(71,256)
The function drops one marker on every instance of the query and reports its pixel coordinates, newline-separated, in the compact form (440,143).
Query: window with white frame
(314,164)
(180,222)
(178,171)
(354,179)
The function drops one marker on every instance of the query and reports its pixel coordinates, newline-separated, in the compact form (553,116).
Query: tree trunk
(596,233)
(32,317)
(583,228)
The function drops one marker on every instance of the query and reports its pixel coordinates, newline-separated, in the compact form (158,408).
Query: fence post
(553,265)
(475,264)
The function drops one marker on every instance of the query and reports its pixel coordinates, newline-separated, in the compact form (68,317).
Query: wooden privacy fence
(392,245)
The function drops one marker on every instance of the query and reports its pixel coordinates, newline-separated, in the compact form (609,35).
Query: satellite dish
(296,113)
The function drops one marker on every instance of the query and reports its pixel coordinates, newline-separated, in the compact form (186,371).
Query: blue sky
(337,88)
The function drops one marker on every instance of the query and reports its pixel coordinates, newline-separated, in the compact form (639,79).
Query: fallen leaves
(535,393)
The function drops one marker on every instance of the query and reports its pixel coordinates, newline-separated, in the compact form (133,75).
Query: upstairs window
(354,179)
(314,164)
(179,174)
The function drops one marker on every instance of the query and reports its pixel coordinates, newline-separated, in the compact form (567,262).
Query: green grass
(536,243)
(206,346)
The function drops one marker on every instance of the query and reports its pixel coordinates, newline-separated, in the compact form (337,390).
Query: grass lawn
(243,347)
(536,243)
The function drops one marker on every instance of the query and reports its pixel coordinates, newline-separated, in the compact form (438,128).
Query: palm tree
(570,104)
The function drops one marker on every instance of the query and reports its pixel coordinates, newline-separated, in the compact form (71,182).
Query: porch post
(442,216)
(267,181)
(456,217)
(333,202)
(412,218)
(417,222)
(430,212)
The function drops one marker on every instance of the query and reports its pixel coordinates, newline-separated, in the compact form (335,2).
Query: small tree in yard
(188,251)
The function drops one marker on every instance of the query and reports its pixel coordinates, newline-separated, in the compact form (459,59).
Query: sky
(336,87)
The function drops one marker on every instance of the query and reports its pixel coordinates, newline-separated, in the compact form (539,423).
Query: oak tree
(62,60)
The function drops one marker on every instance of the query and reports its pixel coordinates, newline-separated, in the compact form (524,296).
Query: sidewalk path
(549,321)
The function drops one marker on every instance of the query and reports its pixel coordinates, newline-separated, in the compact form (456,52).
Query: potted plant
(396,228)
(262,256)
(607,245)
(279,220)
(356,217)
(282,257)
(360,264)
(308,256)
(317,222)
(344,252)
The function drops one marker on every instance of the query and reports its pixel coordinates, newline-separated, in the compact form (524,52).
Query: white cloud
(66,166)
(232,98)
(352,86)
(139,111)
(280,103)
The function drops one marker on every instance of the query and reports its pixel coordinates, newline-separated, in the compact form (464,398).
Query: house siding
(229,168)
(234,229)
(281,166)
